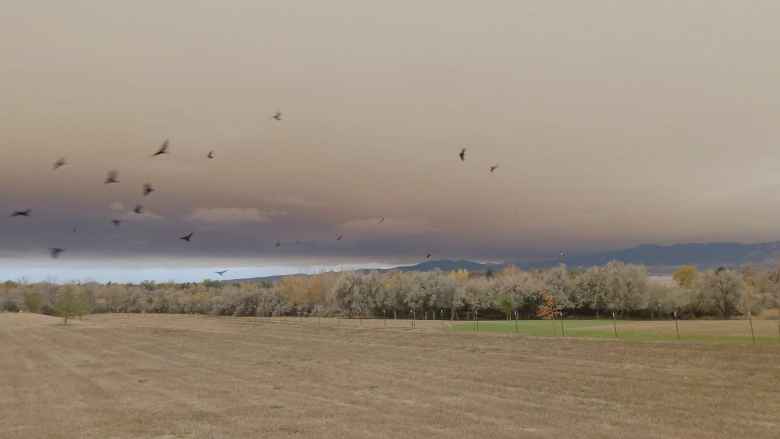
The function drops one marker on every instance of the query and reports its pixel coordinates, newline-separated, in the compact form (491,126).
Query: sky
(613,123)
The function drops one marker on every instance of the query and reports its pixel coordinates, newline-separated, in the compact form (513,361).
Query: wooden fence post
(563,328)
(750,320)
(614,324)
(676,325)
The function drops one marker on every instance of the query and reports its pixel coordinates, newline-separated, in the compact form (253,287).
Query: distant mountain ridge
(658,258)
(704,255)
(448,265)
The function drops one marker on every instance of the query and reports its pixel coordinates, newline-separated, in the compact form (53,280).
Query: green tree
(723,290)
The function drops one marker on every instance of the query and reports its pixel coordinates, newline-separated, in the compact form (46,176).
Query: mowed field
(170,376)
(703,331)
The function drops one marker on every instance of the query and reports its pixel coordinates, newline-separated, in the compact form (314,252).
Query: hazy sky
(613,123)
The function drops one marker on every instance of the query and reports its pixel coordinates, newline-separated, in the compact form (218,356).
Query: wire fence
(747,330)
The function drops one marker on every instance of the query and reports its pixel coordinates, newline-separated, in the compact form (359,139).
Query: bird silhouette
(116,222)
(462,155)
(163,149)
(25,212)
(428,256)
(278,244)
(148,189)
(210,154)
(339,237)
(138,209)
(381,220)
(187,237)
(112,177)
(277,116)
(221,272)
(59,163)
(493,168)
(75,229)
(55,252)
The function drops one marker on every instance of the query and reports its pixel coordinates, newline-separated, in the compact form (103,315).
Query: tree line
(623,289)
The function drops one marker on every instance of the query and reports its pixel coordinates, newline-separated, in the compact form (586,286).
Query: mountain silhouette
(658,258)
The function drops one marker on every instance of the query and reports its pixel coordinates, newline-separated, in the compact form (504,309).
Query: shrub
(33,301)
(10,306)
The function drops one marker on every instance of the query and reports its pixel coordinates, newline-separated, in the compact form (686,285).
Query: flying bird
(139,209)
(278,244)
(55,252)
(339,237)
(116,222)
(462,155)
(381,220)
(277,116)
(493,168)
(187,237)
(562,254)
(59,163)
(163,149)
(428,256)
(112,177)
(148,189)
(25,212)
(210,154)
(221,272)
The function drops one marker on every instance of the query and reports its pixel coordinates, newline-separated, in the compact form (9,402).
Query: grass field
(706,331)
(173,376)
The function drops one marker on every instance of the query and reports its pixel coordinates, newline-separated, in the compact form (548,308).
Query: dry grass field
(168,376)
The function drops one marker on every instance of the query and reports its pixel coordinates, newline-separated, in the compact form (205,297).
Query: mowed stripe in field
(133,376)
(707,331)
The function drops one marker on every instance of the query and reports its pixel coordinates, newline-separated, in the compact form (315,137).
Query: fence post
(614,324)
(476,318)
(676,325)
(384,316)
(750,320)
(516,321)
(563,328)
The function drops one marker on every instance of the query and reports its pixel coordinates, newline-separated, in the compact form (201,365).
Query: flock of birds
(112,177)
